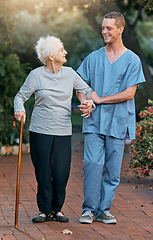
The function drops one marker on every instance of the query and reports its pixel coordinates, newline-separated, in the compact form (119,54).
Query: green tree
(12,74)
(135,12)
(71,26)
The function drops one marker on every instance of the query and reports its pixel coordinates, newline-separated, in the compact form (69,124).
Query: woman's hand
(93,95)
(18,115)
(86,108)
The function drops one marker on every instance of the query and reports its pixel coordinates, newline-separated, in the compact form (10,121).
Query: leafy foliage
(144,32)
(141,149)
(146,4)
(12,75)
(72,27)
(78,36)
(6,20)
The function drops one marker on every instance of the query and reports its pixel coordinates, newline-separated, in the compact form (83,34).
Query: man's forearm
(119,97)
(127,94)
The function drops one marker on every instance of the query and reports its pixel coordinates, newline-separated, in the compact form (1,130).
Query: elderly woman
(50,126)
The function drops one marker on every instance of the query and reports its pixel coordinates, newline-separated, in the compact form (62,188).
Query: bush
(12,75)
(141,149)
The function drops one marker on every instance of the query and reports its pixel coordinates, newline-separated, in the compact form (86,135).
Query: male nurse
(113,72)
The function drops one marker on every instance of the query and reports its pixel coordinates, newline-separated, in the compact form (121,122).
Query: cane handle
(14,121)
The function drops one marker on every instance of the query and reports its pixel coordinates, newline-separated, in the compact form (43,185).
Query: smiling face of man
(110,31)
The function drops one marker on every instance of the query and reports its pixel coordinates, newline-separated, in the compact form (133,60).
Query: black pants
(51,157)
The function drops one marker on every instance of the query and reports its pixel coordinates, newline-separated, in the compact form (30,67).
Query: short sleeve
(136,75)
(84,70)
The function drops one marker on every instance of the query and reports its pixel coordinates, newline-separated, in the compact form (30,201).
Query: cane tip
(16,226)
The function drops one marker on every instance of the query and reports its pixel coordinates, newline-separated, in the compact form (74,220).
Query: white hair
(46,46)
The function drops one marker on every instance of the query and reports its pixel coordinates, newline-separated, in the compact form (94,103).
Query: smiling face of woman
(60,55)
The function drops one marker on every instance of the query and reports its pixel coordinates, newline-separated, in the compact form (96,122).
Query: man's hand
(18,115)
(86,108)
(93,95)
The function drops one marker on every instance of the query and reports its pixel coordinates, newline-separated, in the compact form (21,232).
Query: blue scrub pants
(101,171)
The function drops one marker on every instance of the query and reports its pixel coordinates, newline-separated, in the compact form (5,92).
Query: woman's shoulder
(68,69)
(34,75)
(37,70)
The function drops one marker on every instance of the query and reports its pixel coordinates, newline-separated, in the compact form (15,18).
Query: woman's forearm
(81,97)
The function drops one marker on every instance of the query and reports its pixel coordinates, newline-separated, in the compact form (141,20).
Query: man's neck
(114,51)
(115,48)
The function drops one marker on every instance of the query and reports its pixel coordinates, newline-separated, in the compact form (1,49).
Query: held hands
(18,115)
(93,95)
(86,108)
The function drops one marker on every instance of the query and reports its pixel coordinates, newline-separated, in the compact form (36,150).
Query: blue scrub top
(107,79)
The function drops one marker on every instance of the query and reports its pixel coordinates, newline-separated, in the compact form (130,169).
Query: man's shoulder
(96,52)
(133,56)
(94,55)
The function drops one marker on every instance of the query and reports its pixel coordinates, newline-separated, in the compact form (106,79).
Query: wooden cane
(18,170)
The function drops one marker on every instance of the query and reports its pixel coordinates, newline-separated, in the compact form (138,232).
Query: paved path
(133,204)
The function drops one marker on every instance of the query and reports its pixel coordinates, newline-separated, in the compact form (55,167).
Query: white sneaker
(87,217)
(106,217)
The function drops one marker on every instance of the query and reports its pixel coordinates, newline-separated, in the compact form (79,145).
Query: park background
(78,24)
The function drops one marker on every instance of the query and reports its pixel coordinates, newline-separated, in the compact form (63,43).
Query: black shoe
(42,218)
(60,217)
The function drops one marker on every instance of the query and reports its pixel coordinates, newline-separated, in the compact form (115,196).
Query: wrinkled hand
(93,95)
(86,108)
(18,115)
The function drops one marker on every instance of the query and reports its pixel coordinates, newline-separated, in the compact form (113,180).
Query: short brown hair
(119,18)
